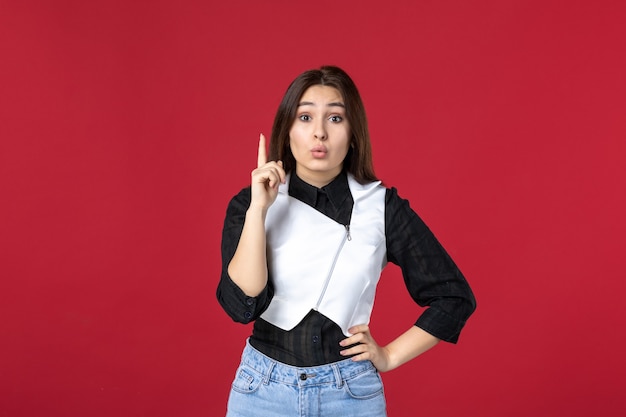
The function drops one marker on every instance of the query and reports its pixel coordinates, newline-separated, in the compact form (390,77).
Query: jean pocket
(246,381)
(366,385)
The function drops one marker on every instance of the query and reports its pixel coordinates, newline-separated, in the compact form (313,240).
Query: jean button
(303,376)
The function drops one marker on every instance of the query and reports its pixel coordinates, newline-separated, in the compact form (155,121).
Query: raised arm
(248,267)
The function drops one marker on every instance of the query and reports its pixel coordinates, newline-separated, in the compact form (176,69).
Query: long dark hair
(358,161)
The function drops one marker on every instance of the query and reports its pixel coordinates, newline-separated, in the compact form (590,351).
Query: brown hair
(358,161)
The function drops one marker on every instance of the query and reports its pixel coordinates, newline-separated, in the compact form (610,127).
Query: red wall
(126,126)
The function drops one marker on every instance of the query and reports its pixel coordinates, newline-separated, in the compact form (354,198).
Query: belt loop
(270,368)
(338,379)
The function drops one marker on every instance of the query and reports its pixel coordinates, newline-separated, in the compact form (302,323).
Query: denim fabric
(264,387)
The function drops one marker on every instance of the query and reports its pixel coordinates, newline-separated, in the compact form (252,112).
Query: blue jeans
(266,388)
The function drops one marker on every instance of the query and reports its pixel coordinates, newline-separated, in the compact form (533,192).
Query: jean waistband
(273,370)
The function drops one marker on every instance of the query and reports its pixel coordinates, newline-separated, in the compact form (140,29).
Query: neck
(318,180)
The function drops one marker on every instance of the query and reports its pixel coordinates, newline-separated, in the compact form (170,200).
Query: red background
(126,126)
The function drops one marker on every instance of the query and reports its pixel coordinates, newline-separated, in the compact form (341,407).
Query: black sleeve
(240,307)
(430,275)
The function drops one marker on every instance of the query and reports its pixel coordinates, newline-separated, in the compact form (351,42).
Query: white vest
(317,263)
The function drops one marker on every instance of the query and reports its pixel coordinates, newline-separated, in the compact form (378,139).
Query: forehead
(321,94)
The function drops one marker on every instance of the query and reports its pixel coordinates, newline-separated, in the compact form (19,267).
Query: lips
(319,148)
(319,151)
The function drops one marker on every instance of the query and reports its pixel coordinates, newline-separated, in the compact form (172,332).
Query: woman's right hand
(265,179)
(248,267)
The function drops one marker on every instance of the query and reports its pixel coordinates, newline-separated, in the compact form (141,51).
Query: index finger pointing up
(262,158)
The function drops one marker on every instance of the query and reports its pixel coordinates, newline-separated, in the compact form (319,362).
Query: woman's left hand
(366,349)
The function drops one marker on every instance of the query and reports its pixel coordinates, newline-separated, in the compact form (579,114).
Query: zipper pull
(347,226)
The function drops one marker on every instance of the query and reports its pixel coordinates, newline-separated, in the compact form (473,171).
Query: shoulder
(393,198)
(398,209)
(241,201)
(364,190)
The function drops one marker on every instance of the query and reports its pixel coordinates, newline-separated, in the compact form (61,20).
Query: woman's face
(320,135)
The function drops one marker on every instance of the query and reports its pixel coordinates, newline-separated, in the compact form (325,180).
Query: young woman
(303,248)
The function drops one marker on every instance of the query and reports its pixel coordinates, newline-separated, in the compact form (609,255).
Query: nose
(320,131)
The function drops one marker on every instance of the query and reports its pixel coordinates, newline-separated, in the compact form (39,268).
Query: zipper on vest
(332,266)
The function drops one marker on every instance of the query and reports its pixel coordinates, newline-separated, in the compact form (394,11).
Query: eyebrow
(333,104)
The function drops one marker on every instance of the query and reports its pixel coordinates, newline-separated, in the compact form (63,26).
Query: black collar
(337,191)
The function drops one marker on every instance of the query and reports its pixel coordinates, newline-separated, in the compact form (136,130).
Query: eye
(305,117)
(336,119)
